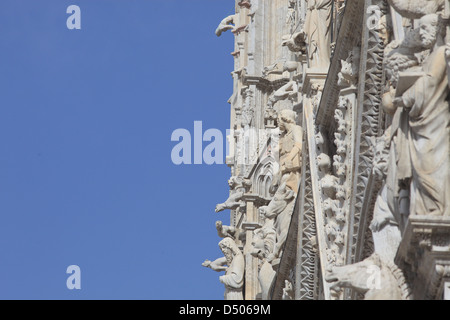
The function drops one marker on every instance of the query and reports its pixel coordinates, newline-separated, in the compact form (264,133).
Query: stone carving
(279,210)
(229,231)
(291,17)
(289,90)
(238,187)
(349,69)
(369,119)
(290,149)
(380,164)
(270,118)
(247,111)
(333,218)
(279,68)
(233,263)
(264,240)
(307,256)
(217,265)
(318,32)
(245,4)
(295,42)
(424,121)
(226,24)
(375,278)
(414,9)
(384,226)
(288,291)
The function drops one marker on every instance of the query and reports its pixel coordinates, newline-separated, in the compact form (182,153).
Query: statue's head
(229,248)
(234,182)
(285,117)
(258,239)
(324,162)
(429,30)
(264,240)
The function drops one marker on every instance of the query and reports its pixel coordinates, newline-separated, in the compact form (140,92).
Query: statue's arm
(219,264)
(425,84)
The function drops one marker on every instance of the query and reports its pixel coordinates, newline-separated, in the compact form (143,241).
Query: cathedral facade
(339,151)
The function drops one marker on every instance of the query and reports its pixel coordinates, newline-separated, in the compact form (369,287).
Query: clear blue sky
(86,176)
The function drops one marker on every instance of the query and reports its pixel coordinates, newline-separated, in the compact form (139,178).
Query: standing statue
(286,181)
(425,118)
(385,226)
(318,32)
(278,214)
(291,140)
(263,244)
(233,263)
(234,275)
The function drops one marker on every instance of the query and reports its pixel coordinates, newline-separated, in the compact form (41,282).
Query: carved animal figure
(348,74)
(295,42)
(289,90)
(225,24)
(232,203)
(373,277)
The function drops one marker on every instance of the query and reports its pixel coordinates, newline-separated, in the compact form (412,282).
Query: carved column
(251,262)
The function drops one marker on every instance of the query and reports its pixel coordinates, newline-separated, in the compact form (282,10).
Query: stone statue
(225,25)
(288,291)
(217,265)
(233,263)
(295,42)
(423,123)
(289,90)
(384,225)
(280,208)
(225,231)
(278,68)
(279,211)
(291,140)
(264,240)
(349,69)
(291,17)
(373,277)
(318,31)
(234,275)
(237,186)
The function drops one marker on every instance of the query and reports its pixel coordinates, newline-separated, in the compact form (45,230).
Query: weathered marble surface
(360,89)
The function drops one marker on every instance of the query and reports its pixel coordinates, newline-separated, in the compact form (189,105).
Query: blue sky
(86,176)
